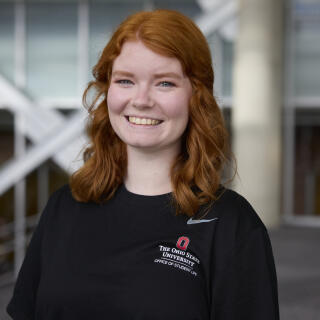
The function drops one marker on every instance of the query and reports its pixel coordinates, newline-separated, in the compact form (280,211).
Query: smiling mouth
(143,121)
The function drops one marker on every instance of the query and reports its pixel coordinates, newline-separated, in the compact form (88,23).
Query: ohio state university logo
(182,243)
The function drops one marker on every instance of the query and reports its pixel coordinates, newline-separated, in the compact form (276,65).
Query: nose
(142,97)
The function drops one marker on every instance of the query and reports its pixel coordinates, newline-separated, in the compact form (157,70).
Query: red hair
(196,171)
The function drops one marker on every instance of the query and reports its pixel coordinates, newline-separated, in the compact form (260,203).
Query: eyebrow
(156,76)
(122,73)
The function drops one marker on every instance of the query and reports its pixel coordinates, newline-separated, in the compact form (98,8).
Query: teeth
(143,121)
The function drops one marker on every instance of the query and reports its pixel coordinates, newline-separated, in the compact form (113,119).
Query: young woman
(145,229)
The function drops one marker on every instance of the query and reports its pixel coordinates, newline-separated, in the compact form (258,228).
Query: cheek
(115,100)
(178,107)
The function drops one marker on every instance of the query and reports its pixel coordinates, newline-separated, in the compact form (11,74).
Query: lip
(141,126)
(146,117)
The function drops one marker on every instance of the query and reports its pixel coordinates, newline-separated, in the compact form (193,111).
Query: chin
(141,146)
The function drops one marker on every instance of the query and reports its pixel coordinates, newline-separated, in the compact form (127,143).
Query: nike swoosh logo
(191,221)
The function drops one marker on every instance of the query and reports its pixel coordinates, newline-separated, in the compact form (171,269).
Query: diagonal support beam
(215,18)
(18,168)
(39,122)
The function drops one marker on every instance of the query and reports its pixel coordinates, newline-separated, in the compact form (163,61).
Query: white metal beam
(40,122)
(208,5)
(19,138)
(19,196)
(18,168)
(217,16)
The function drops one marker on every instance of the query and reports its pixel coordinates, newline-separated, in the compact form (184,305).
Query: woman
(145,229)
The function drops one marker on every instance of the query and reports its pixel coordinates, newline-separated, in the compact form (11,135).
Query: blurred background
(266,58)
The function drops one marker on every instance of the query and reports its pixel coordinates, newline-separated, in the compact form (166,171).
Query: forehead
(135,55)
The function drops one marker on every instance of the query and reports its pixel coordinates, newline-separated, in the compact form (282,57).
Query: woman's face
(148,99)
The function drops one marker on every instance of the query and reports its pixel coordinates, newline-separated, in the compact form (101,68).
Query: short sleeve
(22,304)
(245,285)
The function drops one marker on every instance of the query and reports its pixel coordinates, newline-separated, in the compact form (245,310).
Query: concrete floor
(297,256)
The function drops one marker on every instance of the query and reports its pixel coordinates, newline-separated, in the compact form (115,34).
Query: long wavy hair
(196,172)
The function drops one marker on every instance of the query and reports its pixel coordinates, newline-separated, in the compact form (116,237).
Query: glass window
(228,54)
(7,41)
(104,18)
(307,48)
(307,55)
(216,48)
(307,163)
(52,49)
(188,7)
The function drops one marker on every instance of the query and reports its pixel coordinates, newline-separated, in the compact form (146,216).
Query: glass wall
(51,49)
(228,53)
(307,48)
(7,40)
(305,68)
(104,17)
(188,7)
(307,164)
(51,46)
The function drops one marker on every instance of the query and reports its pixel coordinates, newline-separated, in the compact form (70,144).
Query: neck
(149,173)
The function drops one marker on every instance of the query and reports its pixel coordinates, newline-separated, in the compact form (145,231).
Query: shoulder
(60,202)
(237,218)
(231,205)
(61,195)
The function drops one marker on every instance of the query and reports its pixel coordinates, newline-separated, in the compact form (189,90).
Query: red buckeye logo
(182,243)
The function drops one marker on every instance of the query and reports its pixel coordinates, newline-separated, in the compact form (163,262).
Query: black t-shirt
(132,258)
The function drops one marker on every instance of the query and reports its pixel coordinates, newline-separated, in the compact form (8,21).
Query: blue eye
(166,84)
(124,82)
